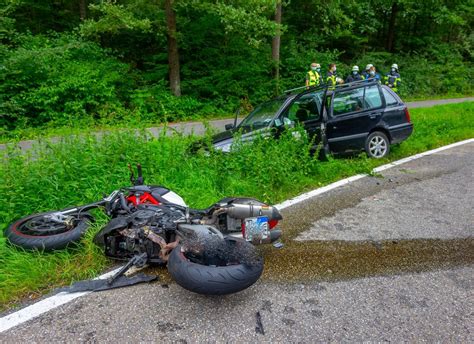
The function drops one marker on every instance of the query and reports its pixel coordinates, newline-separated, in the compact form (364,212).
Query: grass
(84,126)
(80,170)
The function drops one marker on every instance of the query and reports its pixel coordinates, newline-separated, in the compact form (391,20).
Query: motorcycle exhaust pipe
(243,211)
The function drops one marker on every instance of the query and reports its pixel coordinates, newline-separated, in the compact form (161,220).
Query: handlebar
(139,180)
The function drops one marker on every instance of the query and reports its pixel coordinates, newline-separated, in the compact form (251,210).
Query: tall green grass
(80,170)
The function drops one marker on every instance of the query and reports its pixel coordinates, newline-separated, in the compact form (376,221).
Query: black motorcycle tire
(213,280)
(17,236)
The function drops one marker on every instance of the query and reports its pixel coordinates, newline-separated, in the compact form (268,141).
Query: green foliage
(155,104)
(79,169)
(58,79)
(112,67)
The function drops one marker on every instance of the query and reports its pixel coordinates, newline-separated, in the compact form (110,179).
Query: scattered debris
(316,313)
(103,284)
(267,306)
(259,328)
(278,244)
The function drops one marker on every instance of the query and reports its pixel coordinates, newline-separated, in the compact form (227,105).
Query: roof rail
(291,90)
(323,86)
(354,83)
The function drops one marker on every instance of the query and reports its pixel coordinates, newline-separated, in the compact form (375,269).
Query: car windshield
(263,114)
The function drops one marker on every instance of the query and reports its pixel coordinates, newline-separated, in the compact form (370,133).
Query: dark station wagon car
(362,115)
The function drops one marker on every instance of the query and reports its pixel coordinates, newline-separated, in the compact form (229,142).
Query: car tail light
(407,115)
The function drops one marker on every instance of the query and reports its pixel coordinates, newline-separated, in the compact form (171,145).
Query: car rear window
(389,98)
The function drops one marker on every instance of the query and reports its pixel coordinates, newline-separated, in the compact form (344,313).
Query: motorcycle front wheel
(42,233)
(215,273)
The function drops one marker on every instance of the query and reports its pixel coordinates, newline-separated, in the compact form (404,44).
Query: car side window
(306,107)
(348,101)
(389,98)
(372,97)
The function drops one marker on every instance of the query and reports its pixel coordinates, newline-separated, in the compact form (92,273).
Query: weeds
(80,170)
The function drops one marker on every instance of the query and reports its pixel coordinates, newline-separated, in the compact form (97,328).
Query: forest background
(92,63)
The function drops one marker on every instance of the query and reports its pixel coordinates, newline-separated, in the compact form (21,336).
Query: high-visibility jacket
(331,80)
(313,77)
(393,80)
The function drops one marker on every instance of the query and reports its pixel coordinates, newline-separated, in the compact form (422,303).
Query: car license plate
(256,228)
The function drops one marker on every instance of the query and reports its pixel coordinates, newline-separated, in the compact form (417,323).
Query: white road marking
(57,300)
(43,306)
(319,191)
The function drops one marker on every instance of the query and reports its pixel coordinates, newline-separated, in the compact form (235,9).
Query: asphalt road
(300,299)
(198,128)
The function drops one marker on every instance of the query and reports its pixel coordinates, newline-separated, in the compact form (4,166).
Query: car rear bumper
(400,132)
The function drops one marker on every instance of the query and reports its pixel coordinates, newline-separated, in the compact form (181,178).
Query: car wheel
(377,145)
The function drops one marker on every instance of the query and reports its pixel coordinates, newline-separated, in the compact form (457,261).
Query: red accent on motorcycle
(272,223)
(146,198)
(243,229)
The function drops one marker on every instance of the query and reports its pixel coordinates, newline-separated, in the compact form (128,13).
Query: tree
(391,27)
(173,54)
(83,9)
(276,46)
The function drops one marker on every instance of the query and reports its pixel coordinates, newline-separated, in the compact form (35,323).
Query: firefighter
(392,79)
(313,77)
(331,78)
(373,74)
(366,72)
(354,76)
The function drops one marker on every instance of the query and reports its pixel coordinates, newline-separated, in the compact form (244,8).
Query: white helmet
(395,66)
(370,65)
(355,68)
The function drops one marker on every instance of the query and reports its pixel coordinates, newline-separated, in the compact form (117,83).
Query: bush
(57,79)
(156,104)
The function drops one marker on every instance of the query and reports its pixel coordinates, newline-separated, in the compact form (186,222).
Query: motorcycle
(207,251)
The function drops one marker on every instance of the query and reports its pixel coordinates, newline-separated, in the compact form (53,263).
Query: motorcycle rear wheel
(35,232)
(221,279)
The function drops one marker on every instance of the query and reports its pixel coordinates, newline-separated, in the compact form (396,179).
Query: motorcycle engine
(126,242)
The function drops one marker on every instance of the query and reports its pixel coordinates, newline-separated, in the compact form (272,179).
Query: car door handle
(374,114)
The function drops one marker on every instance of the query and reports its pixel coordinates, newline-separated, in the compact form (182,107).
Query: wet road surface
(362,276)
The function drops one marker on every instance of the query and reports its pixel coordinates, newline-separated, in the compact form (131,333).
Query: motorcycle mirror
(132,176)
(140,179)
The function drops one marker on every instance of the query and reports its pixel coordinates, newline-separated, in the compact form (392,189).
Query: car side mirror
(278,123)
(229,126)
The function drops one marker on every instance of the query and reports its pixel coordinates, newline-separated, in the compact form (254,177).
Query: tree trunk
(83,9)
(391,27)
(276,46)
(173,54)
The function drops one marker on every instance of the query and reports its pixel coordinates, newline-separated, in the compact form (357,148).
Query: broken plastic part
(278,244)
(103,284)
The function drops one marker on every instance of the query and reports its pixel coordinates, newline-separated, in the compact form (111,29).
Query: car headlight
(225,147)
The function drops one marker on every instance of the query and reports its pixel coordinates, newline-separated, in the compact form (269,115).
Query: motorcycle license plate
(256,228)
